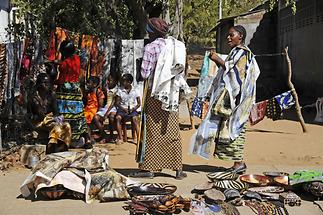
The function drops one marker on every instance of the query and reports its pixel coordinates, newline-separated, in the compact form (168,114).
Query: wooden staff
(291,86)
(189,112)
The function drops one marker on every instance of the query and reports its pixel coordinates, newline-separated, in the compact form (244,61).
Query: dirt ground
(271,146)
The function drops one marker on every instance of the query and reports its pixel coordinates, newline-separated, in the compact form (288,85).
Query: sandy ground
(278,145)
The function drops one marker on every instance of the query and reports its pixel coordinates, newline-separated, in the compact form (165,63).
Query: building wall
(302,34)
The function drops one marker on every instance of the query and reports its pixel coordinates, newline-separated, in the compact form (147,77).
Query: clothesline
(269,55)
(279,94)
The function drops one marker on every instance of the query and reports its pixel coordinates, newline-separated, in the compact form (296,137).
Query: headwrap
(241,30)
(158,26)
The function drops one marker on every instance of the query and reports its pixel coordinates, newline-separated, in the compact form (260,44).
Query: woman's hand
(216,58)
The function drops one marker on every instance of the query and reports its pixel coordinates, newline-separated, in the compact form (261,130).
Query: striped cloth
(70,105)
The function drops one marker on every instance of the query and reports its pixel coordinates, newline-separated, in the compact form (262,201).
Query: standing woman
(163,148)
(69,95)
(233,94)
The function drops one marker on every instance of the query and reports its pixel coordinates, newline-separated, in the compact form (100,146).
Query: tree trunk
(177,29)
(139,17)
(165,12)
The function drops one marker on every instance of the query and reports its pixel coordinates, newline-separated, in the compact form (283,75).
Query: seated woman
(42,105)
(127,103)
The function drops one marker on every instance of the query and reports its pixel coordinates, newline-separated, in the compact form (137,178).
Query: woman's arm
(216,58)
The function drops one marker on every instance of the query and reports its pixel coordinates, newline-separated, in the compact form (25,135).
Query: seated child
(109,110)
(94,100)
(127,103)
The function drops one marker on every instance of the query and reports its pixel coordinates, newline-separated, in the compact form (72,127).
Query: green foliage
(95,17)
(201,16)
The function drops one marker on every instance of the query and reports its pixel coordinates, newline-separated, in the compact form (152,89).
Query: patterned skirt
(163,148)
(226,149)
(70,105)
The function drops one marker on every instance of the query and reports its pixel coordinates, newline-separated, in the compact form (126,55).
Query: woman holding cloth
(233,94)
(163,148)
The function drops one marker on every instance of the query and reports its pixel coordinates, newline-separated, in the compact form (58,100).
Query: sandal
(241,169)
(142,174)
(180,175)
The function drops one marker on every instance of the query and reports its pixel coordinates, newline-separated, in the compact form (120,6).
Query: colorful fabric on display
(4,71)
(239,79)
(163,148)
(85,54)
(273,110)
(94,57)
(285,100)
(63,34)
(70,105)
(92,104)
(51,49)
(205,66)
(197,107)
(258,112)
(304,176)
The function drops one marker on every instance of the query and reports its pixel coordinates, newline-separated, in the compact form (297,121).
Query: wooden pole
(291,86)
(189,112)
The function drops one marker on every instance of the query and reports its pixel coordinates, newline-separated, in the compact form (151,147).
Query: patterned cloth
(197,107)
(285,100)
(70,105)
(169,75)
(273,110)
(226,149)
(258,112)
(85,172)
(239,79)
(131,52)
(4,71)
(163,148)
(150,58)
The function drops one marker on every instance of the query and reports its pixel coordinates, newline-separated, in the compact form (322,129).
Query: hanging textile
(258,112)
(131,52)
(85,54)
(60,35)
(285,100)
(273,110)
(51,49)
(108,47)
(94,58)
(3,71)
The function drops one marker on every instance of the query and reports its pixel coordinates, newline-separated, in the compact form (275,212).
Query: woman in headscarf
(162,144)
(42,106)
(233,94)
(69,94)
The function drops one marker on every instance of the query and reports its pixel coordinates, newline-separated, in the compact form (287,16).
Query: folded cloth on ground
(85,172)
